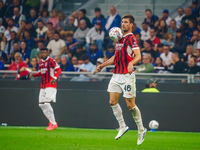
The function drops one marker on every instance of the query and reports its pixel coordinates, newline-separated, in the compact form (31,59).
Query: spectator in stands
(166,17)
(135,29)
(82,16)
(25,52)
(195,8)
(111,51)
(154,39)
(113,20)
(189,53)
(99,62)
(30,43)
(3,57)
(146,66)
(188,15)
(9,12)
(198,26)
(2,28)
(166,55)
(99,18)
(167,40)
(94,53)
(81,32)
(139,41)
(172,29)
(16,49)
(45,16)
(162,29)
(95,33)
(159,63)
(27,5)
(54,18)
(160,48)
(57,45)
(192,28)
(41,30)
(50,26)
(192,66)
(151,86)
(150,18)
(148,49)
(70,28)
(57,59)
(176,66)
(145,33)
(194,40)
(10,28)
(1,65)
(71,42)
(28,27)
(33,17)
(66,65)
(75,15)
(87,66)
(180,42)
(79,51)
(9,46)
(2,9)
(32,67)
(74,61)
(179,17)
(197,54)
(49,36)
(36,51)
(17,65)
(61,23)
(2,43)
(18,17)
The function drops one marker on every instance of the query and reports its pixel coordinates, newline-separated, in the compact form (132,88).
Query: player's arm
(108,62)
(58,70)
(137,58)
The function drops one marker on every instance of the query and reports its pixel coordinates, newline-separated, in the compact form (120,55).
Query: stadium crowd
(167,45)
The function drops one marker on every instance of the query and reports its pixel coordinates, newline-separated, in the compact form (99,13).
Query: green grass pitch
(37,138)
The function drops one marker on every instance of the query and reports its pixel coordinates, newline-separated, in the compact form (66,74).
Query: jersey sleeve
(54,64)
(133,43)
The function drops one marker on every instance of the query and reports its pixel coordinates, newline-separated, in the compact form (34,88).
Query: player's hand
(53,81)
(99,68)
(130,68)
(22,69)
(31,75)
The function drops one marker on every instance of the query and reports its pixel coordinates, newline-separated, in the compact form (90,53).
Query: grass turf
(32,138)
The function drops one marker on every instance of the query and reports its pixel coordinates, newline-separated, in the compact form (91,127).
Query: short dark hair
(34,58)
(40,21)
(153,28)
(56,32)
(69,35)
(111,46)
(97,9)
(167,46)
(160,45)
(50,23)
(40,41)
(84,57)
(131,18)
(137,33)
(83,11)
(148,10)
(145,23)
(44,49)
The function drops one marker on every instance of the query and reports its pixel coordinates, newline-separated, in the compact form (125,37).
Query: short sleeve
(133,43)
(49,45)
(54,64)
(62,43)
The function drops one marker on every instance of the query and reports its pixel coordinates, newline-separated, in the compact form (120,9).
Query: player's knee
(130,105)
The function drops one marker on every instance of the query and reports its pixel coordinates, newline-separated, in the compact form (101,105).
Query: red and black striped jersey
(47,69)
(124,53)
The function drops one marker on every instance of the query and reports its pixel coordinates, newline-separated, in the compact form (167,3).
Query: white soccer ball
(115,34)
(153,124)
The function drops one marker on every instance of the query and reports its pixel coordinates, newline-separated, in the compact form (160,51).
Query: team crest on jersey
(118,47)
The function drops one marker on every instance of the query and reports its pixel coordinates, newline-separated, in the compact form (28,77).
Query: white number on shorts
(127,88)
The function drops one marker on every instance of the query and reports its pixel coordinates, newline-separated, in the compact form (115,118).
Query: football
(153,124)
(115,34)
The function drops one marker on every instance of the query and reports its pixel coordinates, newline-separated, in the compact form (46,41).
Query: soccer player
(47,69)
(127,54)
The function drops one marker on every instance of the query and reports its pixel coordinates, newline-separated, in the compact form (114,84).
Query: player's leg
(117,111)
(138,119)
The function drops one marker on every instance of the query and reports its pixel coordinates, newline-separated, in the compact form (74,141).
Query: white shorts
(47,95)
(123,83)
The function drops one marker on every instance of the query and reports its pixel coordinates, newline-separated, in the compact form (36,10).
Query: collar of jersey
(45,59)
(127,34)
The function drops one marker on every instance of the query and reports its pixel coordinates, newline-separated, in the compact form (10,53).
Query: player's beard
(44,58)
